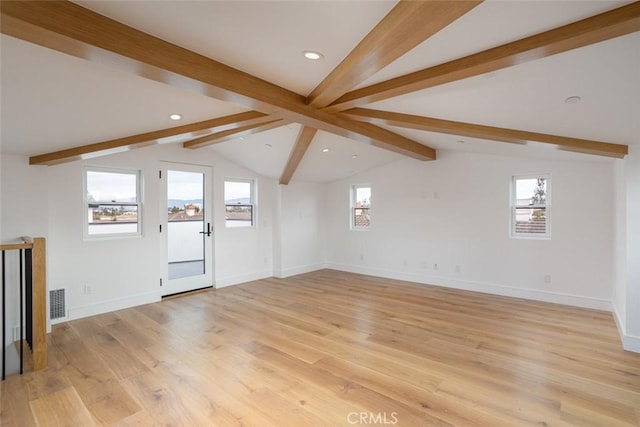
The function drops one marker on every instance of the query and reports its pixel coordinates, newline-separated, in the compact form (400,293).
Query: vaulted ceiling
(396,79)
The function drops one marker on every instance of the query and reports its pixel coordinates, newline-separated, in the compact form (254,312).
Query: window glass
(530,203)
(360,207)
(112,203)
(239,203)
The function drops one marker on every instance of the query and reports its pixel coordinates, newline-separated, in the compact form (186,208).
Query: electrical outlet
(435,266)
(87,289)
(547,278)
(458,269)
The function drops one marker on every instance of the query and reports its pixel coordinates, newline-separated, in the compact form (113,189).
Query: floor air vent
(57,304)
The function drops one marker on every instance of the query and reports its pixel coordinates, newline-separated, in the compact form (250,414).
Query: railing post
(21,312)
(39,304)
(4,317)
(28,294)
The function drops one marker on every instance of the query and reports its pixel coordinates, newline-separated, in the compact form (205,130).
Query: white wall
(455,213)
(23,212)
(24,198)
(632,169)
(301,239)
(124,272)
(619,297)
(242,254)
(120,272)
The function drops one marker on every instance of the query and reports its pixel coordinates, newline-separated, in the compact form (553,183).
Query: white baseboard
(301,269)
(222,282)
(629,342)
(488,288)
(112,305)
(619,323)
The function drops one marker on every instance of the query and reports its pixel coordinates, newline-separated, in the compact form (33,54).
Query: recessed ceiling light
(460,141)
(355,156)
(314,56)
(572,99)
(268,145)
(325,150)
(175,116)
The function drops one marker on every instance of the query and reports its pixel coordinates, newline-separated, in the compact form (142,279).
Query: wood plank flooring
(333,349)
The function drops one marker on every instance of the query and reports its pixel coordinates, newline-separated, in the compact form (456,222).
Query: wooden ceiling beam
(614,23)
(146,139)
(487,132)
(72,29)
(408,24)
(230,134)
(69,28)
(297,153)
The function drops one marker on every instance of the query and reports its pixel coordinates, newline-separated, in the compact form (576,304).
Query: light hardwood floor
(333,349)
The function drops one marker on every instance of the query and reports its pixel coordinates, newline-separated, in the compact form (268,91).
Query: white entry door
(187,228)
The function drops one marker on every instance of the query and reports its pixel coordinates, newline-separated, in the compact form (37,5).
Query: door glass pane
(185,237)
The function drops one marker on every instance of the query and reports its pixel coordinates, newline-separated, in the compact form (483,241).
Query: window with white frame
(112,202)
(239,202)
(360,207)
(531,206)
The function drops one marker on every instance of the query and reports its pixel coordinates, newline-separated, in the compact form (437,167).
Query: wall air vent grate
(57,304)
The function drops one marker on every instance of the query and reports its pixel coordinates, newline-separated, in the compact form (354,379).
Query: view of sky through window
(525,188)
(185,185)
(109,186)
(363,196)
(236,191)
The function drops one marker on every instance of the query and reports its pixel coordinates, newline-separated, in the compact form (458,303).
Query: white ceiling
(531,96)
(491,24)
(263,38)
(52,101)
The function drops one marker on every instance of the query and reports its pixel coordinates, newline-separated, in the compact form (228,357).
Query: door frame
(186,284)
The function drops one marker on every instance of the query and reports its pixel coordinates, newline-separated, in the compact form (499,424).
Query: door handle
(208,232)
